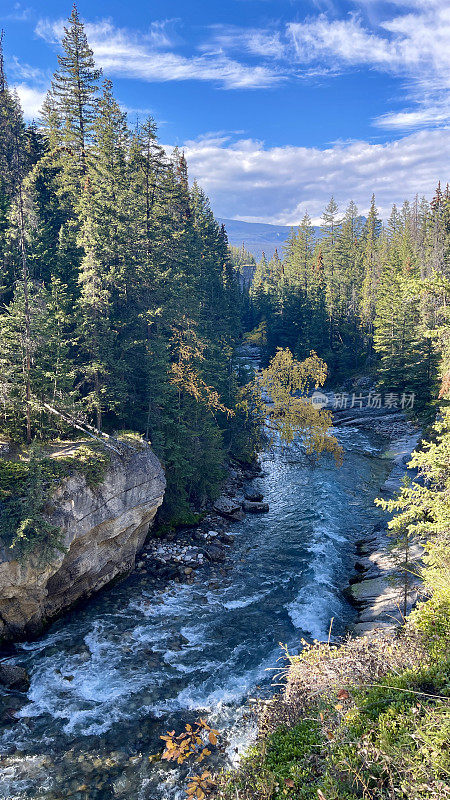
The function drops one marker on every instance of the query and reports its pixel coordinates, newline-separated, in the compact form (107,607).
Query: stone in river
(254,497)
(176,642)
(121,786)
(226,506)
(214,553)
(255,508)
(227,538)
(14,677)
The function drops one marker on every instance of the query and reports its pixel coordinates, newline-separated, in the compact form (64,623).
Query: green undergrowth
(286,767)
(91,461)
(131,438)
(386,741)
(372,722)
(183,519)
(26,489)
(393,741)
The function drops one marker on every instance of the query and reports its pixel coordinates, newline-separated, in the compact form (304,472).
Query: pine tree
(348,285)
(317,329)
(9,114)
(330,229)
(34,359)
(407,358)
(370,242)
(437,240)
(51,122)
(96,337)
(299,254)
(74,92)
(104,271)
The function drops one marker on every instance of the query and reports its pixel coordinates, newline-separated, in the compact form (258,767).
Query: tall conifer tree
(74,93)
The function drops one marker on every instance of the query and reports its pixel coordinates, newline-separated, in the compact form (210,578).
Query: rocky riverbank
(374,588)
(377,589)
(175,555)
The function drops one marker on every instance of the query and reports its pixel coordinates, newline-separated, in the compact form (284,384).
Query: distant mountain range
(257,237)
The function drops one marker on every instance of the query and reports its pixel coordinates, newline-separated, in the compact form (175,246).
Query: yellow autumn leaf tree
(280,397)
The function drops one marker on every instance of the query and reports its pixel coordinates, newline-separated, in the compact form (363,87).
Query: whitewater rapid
(108,679)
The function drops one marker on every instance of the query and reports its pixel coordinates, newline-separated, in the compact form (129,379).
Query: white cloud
(421,117)
(412,43)
(267,43)
(248,181)
(31,85)
(125,53)
(20,70)
(403,43)
(31,100)
(321,39)
(18,13)
(51,31)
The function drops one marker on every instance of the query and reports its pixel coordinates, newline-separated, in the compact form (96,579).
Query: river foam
(136,660)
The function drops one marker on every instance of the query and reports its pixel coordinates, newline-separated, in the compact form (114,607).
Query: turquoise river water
(108,679)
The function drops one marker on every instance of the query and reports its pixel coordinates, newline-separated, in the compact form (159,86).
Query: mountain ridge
(257,237)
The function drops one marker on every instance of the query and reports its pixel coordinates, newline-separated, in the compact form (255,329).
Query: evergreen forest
(122,311)
(120,304)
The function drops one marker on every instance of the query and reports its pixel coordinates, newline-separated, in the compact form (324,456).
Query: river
(109,678)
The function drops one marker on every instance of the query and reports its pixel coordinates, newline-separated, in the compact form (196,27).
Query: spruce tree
(35,359)
(104,271)
(371,269)
(330,229)
(299,254)
(74,93)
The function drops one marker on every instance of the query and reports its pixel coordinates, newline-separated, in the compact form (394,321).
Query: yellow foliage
(188,349)
(289,414)
(200,785)
(191,744)
(258,335)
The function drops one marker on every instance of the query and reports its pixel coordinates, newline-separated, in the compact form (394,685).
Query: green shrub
(90,460)
(26,488)
(293,757)
(131,438)
(24,526)
(286,767)
(13,477)
(394,743)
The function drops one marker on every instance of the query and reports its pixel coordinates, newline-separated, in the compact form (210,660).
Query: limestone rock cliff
(103,528)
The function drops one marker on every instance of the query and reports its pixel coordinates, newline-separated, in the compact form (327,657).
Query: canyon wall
(103,529)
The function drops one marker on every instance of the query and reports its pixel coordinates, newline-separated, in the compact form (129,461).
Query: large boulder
(103,529)
(255,508)
(14,677)
(254,497)
(214,553)
(227,506)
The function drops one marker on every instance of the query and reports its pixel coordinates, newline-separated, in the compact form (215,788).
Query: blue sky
(278,104)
